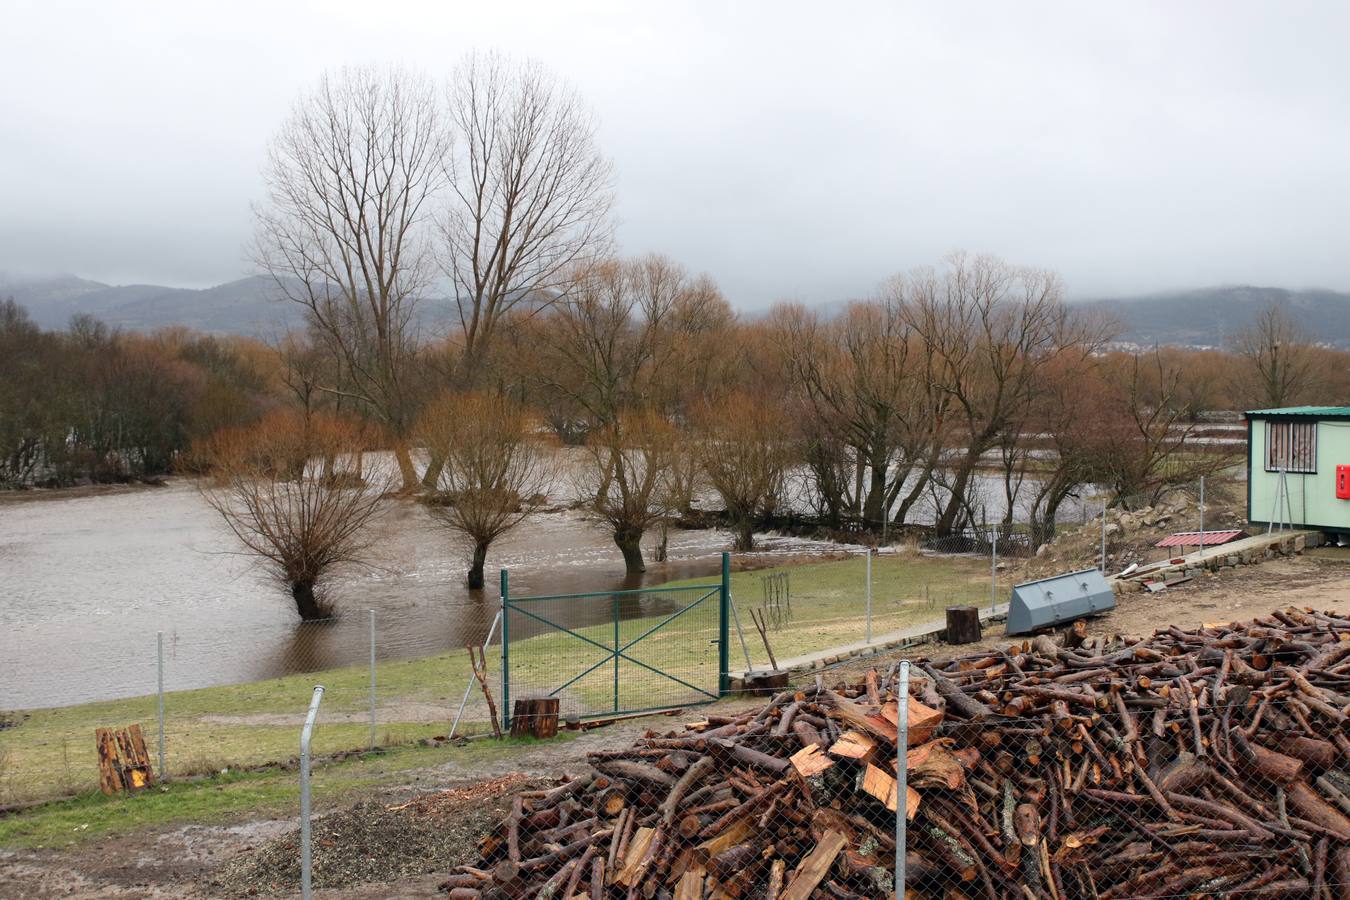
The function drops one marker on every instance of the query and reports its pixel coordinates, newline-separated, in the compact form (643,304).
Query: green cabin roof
(1316,412)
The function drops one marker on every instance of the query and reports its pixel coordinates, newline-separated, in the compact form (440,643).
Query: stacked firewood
(1192,763)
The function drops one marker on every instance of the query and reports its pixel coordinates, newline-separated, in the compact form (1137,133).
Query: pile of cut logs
(1192,763)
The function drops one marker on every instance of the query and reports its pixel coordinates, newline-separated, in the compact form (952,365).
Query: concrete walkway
(1248,551)
(892,640)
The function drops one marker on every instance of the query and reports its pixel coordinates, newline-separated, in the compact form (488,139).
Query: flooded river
(87,581)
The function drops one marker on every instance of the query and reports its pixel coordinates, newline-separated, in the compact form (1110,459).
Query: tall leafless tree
(352,177)
(531,193)
(1279,357)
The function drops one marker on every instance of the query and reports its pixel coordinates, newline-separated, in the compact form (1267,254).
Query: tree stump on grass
(535,717)
(963,625)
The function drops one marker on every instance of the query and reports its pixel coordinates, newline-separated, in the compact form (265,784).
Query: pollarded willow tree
(305,520)
(494,470)
(352,178)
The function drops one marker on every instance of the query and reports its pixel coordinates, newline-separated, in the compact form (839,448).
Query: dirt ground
(205,860)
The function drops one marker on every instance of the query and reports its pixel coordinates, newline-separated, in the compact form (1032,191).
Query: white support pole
(745,648)
(464,701)
(869,595)
(901,777)
(372,679)
(306,852)
(159,654)
(993,571)
(1103,538)
(1202,519)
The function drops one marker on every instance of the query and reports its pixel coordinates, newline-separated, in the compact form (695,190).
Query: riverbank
(49,751)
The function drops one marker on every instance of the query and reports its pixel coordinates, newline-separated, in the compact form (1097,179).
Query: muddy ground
(235,858)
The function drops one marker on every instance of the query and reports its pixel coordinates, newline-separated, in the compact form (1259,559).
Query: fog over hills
(1206,317)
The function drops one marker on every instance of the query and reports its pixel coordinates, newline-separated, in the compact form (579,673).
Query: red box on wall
(1343,482)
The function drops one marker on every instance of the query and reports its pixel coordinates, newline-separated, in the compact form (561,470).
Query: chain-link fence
(233,696)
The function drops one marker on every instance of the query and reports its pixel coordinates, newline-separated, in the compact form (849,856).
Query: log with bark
(1207,762)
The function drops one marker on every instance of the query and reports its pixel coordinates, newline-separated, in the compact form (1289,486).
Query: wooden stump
(535,717)
(963,624)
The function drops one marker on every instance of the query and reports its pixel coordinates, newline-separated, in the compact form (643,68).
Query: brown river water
(86,582)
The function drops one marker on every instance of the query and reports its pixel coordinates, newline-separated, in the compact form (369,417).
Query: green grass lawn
(50,752)
(260,794)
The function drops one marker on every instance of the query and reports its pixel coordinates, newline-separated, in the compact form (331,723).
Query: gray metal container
(1058,599)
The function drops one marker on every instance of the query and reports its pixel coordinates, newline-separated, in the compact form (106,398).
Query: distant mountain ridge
(1204,317)
(1211,317)
(247,306)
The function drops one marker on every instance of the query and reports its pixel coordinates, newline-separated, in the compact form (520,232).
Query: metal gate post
(372,679)
(159,666)
(901,778)
(869,595)
(614,606)
(506,656)
(723,631)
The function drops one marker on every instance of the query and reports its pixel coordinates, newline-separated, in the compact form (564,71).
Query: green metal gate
(616,652)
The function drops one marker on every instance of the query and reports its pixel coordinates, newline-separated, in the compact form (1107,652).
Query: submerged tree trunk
(306,603)
(433,473)
(480,550)
(629,541)
(405,467)
(745,534)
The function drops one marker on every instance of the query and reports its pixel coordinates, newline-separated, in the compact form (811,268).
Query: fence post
(159,668)
(869,595)
(306,854)
(901,777)
(372,679)
(723,629)
(993,572)
(1202,520)
(614,605)
(1103,537)
(506,655)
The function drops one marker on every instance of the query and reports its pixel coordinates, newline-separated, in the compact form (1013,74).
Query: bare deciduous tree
(494,471)
(269,485)
(351,179)
(1278,355)
(531,195)
(746,453)
(630,461)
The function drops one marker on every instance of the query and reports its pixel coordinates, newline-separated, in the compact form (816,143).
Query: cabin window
(1291,446)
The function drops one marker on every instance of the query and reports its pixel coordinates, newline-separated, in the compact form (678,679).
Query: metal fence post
(869,595)
(1202,518)
(159,668)
(901,777)
(614,605)
(1103,538)
(723,629)
(306,853)
(372,679)
(506,656)
(993,572)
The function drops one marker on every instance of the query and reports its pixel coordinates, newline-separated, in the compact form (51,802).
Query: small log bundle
(1203,763)
(123,762)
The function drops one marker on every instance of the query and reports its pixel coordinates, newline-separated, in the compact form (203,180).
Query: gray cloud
(790,150)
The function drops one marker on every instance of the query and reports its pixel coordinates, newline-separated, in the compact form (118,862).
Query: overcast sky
(790,150)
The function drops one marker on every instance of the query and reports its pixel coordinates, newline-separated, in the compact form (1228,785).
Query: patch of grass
(51,751)
(271,792)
